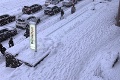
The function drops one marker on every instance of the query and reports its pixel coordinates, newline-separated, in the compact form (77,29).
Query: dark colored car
(5,19)
(31,9)
(51,10)
(6,33)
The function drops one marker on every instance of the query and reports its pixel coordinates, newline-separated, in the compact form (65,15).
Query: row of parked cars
(29,15)
(66,3)
(23,21)
(7,32)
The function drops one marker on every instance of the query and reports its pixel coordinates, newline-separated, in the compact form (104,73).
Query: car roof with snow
(51,5)
(25,16)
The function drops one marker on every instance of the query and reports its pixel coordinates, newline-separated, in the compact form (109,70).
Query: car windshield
(48,8)
(32,18)
(26,8)
(34,5)
(21,20)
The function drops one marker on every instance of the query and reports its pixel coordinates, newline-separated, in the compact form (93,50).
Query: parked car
(5,19)
(68,3)
(23,21)
(48,2)
(31,9)
(6,33)
(51,10)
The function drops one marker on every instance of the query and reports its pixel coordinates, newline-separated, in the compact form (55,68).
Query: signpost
(33,36)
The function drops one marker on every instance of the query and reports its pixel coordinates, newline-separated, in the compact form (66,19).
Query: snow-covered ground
(85,44)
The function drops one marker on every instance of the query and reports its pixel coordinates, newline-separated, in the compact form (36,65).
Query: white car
(69,3)
(23,21)
(48,2)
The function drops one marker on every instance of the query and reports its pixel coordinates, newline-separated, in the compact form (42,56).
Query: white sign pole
(33,36)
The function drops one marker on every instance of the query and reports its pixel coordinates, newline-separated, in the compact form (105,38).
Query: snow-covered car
(5,19)
(31,9)
(48,2)
(69,3)
(51,10)
(23,21)
(6,33)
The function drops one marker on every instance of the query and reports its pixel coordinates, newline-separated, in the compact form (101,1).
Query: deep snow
(84,44)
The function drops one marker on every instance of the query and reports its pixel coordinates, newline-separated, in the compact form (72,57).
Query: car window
(26,6)
(55,7)
(35,5)
(21,20)
(32,18)
(48,8)
(32,6)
